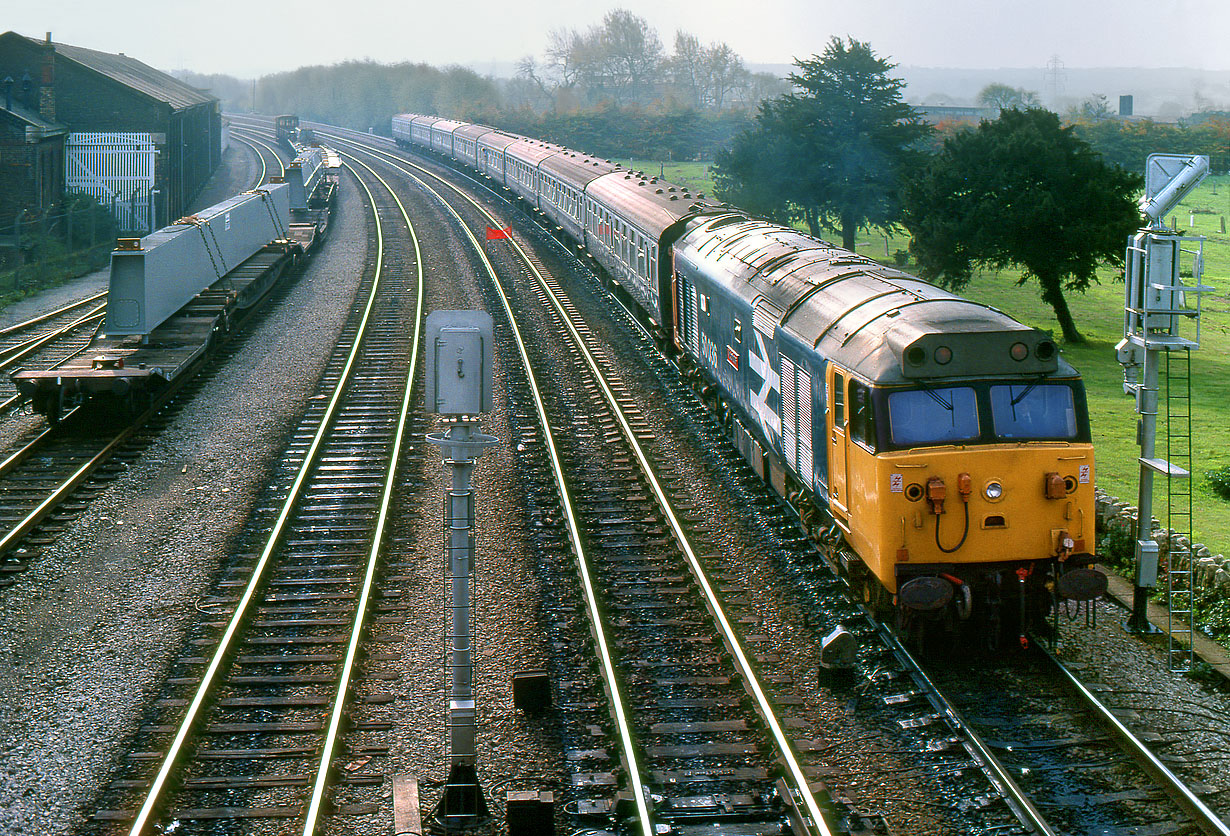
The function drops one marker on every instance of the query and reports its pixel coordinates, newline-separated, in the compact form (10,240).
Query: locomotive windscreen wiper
(935,396)
(1033,384)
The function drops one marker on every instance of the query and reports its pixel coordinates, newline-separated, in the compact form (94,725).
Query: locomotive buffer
(1157,304)
(459,388)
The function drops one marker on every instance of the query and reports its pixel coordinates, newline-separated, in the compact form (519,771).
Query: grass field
(1099,315)
(691,174)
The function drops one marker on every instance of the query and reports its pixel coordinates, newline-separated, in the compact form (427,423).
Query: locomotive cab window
(1033,411)
(917,417)
(862,416)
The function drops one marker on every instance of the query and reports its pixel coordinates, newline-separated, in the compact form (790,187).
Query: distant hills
(1164,94)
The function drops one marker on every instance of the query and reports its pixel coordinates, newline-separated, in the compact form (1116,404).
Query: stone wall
(1212,571)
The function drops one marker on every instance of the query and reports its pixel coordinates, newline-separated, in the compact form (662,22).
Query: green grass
(695,176)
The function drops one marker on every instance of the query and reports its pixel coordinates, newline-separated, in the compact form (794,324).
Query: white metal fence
(117,169)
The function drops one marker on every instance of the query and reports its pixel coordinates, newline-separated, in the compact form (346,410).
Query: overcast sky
(256,37)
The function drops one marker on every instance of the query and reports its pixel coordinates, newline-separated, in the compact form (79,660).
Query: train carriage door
(837,444)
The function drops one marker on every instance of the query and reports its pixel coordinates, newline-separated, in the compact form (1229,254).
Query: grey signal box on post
(459,362)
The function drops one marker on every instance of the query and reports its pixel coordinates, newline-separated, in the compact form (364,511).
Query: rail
(1173,786)
(800,784)
(154,797)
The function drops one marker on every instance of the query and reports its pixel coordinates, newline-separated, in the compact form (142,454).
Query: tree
(1002,97)
(1096,108)
(625,56)
(725,73)
(840,145)
(1021,190)
(687,67)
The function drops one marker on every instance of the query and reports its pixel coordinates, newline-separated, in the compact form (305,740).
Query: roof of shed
(34,119)
(140,77)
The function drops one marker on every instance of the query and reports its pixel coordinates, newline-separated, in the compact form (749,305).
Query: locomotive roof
(882,323)
(650,204)
(577,169)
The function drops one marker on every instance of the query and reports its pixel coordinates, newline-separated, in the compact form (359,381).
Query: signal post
(459,389)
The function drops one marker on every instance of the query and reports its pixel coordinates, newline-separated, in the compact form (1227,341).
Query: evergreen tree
(832,153)
(1022,190)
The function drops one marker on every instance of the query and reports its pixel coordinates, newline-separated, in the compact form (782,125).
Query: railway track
(1078,758)
(46,341)
(50,476)
(630,529)
(268,156)
(252,732)
(677,689)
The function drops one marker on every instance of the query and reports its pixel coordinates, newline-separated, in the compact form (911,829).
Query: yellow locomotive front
(966,495)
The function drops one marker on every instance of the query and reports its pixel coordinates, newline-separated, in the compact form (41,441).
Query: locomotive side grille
(802,396)
(766,317)
(789,390)
(796,419)
(687,308)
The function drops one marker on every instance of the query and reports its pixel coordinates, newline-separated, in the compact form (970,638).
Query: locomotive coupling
(1055,486)
(936,492)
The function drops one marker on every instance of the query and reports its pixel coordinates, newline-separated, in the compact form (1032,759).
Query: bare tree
(562,52)
(527,88)
(1096,108)
(725,72)
(630,55)
(687,67)
(758,87)
(1002,97)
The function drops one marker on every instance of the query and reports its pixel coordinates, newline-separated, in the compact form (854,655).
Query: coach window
(839,400)
(862,418)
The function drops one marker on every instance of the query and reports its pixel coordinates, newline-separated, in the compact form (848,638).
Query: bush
(901,257)
(1118,549)
(1220,481)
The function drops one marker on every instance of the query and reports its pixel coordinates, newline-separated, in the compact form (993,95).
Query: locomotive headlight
(993,491)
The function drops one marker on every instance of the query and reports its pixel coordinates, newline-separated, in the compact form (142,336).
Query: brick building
(137,136)
(31,159)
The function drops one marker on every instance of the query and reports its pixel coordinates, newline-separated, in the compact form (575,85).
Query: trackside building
(138,139)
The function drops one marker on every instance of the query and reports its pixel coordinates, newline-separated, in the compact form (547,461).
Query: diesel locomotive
(936,448)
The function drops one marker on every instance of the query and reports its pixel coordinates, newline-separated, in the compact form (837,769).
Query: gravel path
(87,631)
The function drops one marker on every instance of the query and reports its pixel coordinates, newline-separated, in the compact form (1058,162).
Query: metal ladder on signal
(1180,557)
